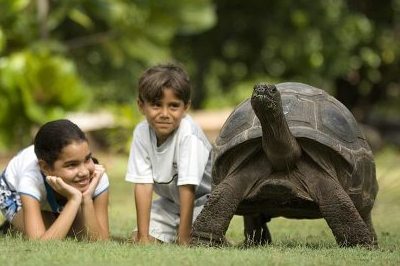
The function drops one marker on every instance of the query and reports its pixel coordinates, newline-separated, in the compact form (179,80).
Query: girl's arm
(143,198)
(95,211)
(186,195)
(95,216)
(34,225)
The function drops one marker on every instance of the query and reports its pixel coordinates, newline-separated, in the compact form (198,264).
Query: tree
(36,84)
(345,47)
(55,54)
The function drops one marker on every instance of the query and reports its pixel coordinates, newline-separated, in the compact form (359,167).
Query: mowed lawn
(295,242)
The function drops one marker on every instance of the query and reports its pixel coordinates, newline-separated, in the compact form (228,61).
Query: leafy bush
(35,88)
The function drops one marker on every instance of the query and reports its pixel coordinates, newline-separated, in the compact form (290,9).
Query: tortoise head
(265,98)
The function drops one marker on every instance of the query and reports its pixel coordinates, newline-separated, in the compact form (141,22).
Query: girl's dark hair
(155,79)
(53,136)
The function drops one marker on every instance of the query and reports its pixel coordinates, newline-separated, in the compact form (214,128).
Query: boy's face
(165,115)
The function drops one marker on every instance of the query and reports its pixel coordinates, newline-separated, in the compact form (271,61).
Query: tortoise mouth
(264,95)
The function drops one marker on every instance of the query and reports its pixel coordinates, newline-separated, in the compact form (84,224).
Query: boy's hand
(68,191)
(184,240)
(143,240)
(94,181)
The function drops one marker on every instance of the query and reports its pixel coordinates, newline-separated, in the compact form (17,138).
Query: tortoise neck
(280,146)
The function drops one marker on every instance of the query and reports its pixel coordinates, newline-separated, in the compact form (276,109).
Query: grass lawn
(295,242)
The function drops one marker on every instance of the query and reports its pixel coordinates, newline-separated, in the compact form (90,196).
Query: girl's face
(165,115)
(74,165)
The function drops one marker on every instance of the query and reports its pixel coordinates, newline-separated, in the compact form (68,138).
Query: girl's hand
(63,188)
(94,181)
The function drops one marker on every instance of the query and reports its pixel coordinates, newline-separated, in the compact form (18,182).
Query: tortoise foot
(368,244)
(208,240)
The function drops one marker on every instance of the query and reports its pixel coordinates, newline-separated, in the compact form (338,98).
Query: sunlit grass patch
(295,242)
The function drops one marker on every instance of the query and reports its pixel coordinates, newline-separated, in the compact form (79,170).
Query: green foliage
(35,88)
(125,37)
(61,45)
(2,40)
(347,47)
(321,43)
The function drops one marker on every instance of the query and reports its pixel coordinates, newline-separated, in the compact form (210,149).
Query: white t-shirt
(23,175)
(183,159)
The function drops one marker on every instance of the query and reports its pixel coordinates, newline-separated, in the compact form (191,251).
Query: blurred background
(81,59)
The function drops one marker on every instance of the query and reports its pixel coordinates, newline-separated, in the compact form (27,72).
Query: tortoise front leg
(210,226)
(342,216)
(366,216)
(213,221)
(336,207)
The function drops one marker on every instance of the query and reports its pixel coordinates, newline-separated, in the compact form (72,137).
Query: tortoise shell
(311,114)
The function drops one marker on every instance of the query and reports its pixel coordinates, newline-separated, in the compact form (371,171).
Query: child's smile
(74,165)
(165,115)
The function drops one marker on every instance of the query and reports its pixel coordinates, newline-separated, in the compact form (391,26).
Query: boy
(169,154)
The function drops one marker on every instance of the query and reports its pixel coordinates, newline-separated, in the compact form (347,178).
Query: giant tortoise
(292,151)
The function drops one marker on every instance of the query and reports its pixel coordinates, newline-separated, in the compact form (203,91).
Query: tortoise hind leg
(256,231)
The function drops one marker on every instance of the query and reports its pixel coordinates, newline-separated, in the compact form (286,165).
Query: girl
(54,189)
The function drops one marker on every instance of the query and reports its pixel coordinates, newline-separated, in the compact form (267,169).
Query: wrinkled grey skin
(293,151)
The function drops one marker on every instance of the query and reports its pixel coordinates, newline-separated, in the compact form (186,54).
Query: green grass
(295,242)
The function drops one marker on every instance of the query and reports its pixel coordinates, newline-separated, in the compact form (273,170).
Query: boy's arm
(186,195)
(143,199)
